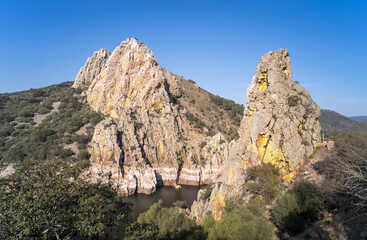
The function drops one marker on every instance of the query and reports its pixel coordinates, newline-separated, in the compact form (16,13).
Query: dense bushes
(239,223)
(302,203)
(45,201)
(170,222)
(22,139)
(235,111)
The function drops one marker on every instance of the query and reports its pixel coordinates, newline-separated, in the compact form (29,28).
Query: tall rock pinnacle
(280,126)
(280,123)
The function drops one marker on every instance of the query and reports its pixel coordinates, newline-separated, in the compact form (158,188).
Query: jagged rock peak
(91,69)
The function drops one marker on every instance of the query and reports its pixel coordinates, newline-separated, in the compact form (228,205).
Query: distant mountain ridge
(359,118)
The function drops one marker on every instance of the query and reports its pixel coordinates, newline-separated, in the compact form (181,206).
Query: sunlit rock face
(91,69)
(146,140)
(280,125)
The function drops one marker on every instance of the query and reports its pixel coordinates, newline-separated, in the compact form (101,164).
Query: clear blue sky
(215,43)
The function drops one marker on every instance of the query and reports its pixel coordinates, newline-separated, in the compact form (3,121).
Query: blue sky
(215,43)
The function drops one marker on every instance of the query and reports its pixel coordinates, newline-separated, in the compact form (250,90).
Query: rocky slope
(280,125)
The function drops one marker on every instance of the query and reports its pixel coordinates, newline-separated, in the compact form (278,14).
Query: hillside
(333,123)
(45,124)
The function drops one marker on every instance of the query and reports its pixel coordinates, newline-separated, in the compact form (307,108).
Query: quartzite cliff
(148,137)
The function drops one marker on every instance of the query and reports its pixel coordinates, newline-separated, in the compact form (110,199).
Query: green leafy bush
(170,222)
(240,223)
(44,201)
(302,203)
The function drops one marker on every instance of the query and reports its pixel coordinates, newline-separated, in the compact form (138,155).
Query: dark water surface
(169,195)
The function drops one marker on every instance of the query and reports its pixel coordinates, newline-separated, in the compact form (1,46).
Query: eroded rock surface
(91,69)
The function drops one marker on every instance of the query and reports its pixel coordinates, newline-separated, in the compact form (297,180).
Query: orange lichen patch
(302,163)
(263,82)
(183,155)
(178,120)
(300,127)
(219,205)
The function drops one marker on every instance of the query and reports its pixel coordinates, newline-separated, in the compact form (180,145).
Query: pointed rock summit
(91,69)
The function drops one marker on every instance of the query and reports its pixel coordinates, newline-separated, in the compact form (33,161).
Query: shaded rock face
(280,125)
(91,69)
(146,140)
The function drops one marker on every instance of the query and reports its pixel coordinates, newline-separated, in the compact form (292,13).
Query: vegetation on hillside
(333,123)
(21,138)
(47,201)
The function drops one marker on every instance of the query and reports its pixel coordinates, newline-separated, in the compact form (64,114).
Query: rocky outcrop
(91,69)
(147,140)
(280,125)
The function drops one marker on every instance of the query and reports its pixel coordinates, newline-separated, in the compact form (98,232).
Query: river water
(142,202)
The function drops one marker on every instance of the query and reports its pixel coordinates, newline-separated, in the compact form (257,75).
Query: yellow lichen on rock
(263,83)
(300,127)
(219,205)
(269,152)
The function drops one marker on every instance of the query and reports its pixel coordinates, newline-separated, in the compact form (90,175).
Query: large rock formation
(280,125)
(147,140)
(150,136)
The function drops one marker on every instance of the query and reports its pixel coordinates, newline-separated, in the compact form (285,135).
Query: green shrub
(170,222)
(191,81)
(50,206)
(65,153)
(240,223)
(264,181)
(302,203)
